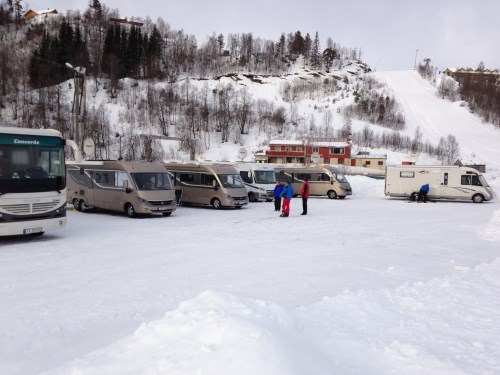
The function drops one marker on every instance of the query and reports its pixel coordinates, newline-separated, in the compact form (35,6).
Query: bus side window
(445,181)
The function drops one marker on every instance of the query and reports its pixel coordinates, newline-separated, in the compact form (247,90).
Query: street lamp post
(79,96)
(119,136)
(415,66)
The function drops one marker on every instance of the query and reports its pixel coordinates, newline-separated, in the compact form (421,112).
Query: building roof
(288,142)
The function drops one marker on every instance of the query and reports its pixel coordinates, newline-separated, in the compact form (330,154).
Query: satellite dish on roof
(88,147)
(242,153)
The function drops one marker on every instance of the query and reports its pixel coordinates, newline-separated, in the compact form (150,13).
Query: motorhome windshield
(265,177)
(340,177)
(152,181)
(231,181)
(31,165)
(483,181)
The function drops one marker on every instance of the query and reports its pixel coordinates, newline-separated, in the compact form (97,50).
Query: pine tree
(315,54)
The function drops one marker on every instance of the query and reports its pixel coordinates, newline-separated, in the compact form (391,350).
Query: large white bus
(32,181)
(445,182)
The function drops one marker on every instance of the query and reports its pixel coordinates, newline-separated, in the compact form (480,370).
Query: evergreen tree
(315,54)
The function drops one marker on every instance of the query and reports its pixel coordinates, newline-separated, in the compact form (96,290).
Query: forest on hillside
(155,73)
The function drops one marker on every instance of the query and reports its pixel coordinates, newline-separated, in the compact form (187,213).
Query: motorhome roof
(214,168)
(130,166)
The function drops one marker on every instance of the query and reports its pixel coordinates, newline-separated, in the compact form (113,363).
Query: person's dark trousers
(277,203)
(304,206)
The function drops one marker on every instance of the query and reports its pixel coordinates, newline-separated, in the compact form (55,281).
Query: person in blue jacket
(422,194)
(278,189)
(287,195)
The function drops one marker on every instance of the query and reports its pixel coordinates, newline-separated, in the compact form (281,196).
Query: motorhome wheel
(129,209)
(251,197)
(76,204)
(331,194)
(216,203)
(478,198)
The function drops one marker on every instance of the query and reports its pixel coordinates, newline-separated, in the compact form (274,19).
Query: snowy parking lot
(365,285)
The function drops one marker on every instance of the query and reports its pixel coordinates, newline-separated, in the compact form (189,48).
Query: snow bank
(424,328)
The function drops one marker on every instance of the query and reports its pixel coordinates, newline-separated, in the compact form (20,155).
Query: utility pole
(415,66)
(78,103)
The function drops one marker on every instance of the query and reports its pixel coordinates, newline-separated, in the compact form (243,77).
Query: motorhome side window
(303,176)
(187,178)
(470,180)
(407,174)
(323,177)
(246,176)
(105,178)
(121,177)
(207,179)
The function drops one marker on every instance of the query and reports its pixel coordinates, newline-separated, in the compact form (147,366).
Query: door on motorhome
(109,192)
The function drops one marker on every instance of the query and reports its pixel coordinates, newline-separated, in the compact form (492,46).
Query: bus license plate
(32,230)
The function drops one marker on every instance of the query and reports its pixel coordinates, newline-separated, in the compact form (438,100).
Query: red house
(329,152)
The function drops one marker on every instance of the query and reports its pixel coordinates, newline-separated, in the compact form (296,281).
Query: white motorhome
(323,180)
(445,182)
(133,187)
(259,180)
(216,185)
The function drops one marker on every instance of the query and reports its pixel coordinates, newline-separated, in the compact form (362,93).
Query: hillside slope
(438,117)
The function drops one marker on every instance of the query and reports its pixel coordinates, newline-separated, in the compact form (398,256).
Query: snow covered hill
(438,117)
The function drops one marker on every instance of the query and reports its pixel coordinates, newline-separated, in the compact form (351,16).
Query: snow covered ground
(365,285)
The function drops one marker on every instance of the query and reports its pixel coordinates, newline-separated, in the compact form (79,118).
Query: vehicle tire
(129,210)
(76,204)
(341,197)
(414,197)
(82,206)
(238,207)
(36,234)
(167,213)
(478,198)
(216,203)
(331,194)
(251,197)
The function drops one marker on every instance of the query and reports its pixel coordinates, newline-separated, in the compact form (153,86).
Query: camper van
(445,182)
(215,185)
(259,180)
(322,180)
(133,187)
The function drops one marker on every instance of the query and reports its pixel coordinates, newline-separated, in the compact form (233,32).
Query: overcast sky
(452,33)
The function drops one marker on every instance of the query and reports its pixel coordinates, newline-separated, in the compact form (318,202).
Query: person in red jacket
(304,193)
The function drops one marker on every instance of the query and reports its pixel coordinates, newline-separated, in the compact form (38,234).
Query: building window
(341,161)
(380,163)
(368,162)
(288,148)
(278,148)
(315,149)
(299,148)
(337,150)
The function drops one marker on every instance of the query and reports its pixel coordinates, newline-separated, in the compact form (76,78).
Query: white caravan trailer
(216,185)
(259,180)
(133,187)
(445,182)
(322,180)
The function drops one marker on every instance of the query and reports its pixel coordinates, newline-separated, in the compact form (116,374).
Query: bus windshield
(152,181)
(265,177)
(29,166)
(231,181)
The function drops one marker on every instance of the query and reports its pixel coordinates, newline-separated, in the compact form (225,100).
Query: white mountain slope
(438,118)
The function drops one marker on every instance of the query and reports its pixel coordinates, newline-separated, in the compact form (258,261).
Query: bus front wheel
(76,204)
